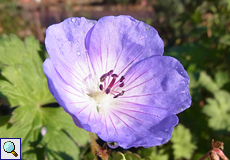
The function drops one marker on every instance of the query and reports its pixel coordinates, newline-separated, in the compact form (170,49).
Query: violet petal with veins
(111,77)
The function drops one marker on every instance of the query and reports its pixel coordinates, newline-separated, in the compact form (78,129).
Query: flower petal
(129,124)
(116,42)
(134,125)
(158,81)
(65,44)
(74,102)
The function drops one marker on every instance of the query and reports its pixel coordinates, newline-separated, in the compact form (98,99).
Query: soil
(43,13)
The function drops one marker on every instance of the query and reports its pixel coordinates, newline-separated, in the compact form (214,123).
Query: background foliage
(196,32)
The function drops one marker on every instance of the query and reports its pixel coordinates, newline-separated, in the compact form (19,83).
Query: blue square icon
(10,148)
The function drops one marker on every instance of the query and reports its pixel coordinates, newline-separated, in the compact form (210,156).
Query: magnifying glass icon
(9,147)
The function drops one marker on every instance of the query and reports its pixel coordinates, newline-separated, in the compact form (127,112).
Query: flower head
(111,77)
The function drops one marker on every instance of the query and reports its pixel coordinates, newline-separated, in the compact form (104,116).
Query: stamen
(112,84)
(107,90)
(101,87)
(103,77)
(122,93)
(114,75)
(122,78)
(119,94)
(116,96)
(110,72)
(122,84)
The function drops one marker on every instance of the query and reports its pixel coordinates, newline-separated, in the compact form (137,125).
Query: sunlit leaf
(24,85)
(126,156)
(207,82)
(22,67)
(225,39)
(221,78)
(153,153)
(183,146)
(218,110)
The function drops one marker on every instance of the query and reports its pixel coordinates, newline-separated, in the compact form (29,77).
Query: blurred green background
(195,32)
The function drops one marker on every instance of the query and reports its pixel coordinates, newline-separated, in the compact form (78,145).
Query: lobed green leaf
(218,110)
(183,146)
(24,85)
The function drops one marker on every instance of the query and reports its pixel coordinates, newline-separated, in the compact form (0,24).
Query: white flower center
(104,95)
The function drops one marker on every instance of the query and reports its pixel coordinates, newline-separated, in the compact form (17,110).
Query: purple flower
(111,77)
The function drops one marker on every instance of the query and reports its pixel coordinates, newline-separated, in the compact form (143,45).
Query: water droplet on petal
(73,19)
(143,142)
(147,28)
(166,130)
(166,141)
(159,138)
(78,53)
(112,144)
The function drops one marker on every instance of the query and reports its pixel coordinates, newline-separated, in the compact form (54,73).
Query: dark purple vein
(140,84)
(141,112)
(70,92)
(113,124)
(82,109)
(89,116)
(140,75)
(126,124)
(106,127)
(130,63)
(133,117)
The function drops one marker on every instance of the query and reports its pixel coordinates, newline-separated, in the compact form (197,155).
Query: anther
(107,90)
(103,77)
(110,72)
(116,96)
(114,75)
(122,84)
(119,94)
(101,87)
(122,93)
(122,78)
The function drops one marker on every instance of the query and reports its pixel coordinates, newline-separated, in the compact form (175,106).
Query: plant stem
(205,156)
(94,145)
(97,150)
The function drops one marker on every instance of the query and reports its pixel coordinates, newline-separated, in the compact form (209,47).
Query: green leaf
(5,127)
(221,78)
(25,86)
(126,156)
(207,82)
(153,153)
(22,67)
(218,110)
(225,40)
(183,147)
(122,156)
